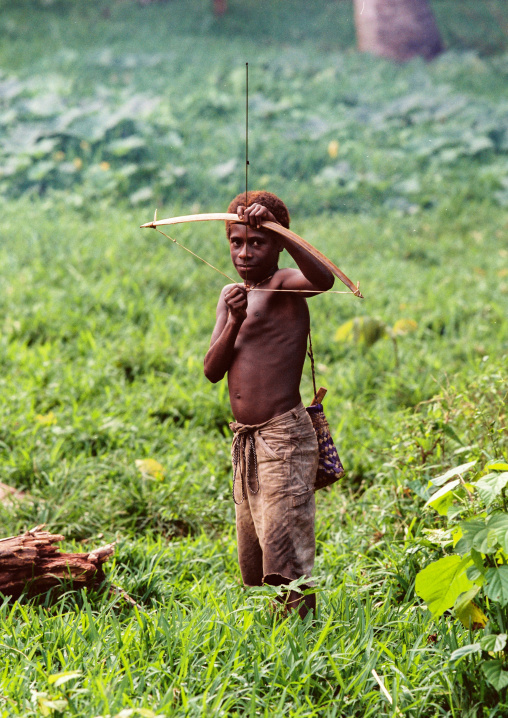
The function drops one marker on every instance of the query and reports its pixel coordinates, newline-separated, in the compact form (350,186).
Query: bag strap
(319,394)
(311,357)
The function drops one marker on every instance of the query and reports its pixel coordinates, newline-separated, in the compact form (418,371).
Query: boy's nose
(244,252)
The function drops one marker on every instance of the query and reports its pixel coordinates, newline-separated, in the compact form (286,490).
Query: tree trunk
(30,562)
(220,7)
(398,29)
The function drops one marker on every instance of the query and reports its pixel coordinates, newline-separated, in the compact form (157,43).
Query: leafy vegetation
(478,516)
(400,175)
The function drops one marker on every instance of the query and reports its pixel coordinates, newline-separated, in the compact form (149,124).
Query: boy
(260,341)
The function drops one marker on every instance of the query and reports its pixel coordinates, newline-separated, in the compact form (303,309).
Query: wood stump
(32,563)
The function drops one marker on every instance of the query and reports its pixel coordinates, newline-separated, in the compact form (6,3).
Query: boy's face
(254,252)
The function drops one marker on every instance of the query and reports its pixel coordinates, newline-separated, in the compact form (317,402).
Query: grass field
(400,175)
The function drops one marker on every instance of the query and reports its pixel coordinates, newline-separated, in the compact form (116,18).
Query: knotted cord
(244,454)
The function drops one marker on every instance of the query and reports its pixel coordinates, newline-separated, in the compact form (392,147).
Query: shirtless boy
(260,341)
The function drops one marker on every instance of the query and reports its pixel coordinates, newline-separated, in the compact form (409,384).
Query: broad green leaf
(497,466)
(144,194)
(477,144)
(456,471)
(491,485)
(440,537)
(471,616)
(58,679)
(345,332)
(455,510)
(478,560)
(438,500)
(47,706)
(403,327)
(476,535)
(475,575)
(493,643)
(361,330)
(457,535)
(465,598)
(494,673)
(40,170)
(124,145)
(441,583)
(449,431)
(498,524)
(496,584)
(468,613)
(465,651)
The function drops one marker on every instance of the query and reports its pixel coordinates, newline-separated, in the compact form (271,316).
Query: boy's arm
(312,276)
(231,313)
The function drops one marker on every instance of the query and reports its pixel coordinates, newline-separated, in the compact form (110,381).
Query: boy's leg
(250,555)
(304,604)
(293,600)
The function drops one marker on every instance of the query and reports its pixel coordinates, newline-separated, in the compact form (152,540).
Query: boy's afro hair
(267,199)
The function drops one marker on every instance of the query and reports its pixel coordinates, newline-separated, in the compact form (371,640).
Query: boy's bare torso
(260,335)
(266,368)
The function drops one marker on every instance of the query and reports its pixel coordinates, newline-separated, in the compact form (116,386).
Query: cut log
(32,563)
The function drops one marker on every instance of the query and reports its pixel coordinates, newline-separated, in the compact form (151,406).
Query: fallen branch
(32,563)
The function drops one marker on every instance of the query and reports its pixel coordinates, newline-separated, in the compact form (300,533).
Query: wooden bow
(274,227)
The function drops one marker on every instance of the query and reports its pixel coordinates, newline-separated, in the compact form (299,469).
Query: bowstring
(256,289)
(197,256)
(304,291)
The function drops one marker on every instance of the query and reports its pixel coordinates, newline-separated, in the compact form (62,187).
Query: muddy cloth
(275,466)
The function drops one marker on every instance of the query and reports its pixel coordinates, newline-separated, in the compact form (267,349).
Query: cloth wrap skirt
(275,466)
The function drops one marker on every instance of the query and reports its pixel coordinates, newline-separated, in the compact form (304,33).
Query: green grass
(104,327)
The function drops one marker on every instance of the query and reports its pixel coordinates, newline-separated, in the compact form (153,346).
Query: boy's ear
(277,240)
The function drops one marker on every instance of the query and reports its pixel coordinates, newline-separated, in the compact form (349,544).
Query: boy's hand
(255,214)
(236,301)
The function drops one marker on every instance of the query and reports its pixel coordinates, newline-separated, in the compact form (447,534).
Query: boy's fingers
(237,302)
(236,289)
(240,293)
(236,294)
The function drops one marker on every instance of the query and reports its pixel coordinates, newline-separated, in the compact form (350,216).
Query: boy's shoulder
(282,275)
